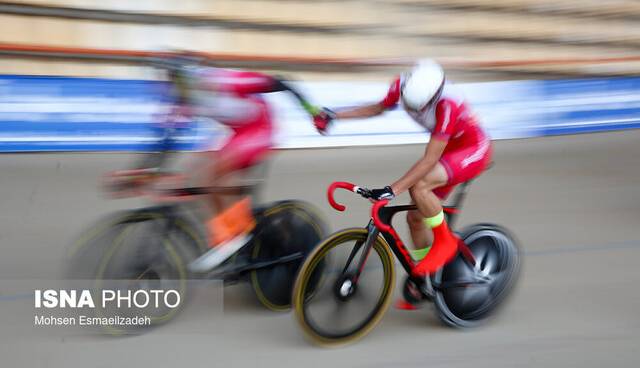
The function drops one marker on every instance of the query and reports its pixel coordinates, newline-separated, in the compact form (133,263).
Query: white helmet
(422,85)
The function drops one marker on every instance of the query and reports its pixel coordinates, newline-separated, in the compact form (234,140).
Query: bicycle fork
(347,283)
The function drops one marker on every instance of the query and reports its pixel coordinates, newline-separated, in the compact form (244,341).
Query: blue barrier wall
(85,114)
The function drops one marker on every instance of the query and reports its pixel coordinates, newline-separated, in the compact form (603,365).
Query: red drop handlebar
(354,188)
(333,187)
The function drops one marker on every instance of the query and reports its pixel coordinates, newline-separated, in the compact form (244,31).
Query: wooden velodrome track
(573,201)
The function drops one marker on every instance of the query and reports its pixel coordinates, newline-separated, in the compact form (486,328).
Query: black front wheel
(334,301)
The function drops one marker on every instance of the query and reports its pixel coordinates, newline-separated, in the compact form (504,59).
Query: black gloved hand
(384,193)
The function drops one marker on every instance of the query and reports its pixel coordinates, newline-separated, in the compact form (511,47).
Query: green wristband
(312,110)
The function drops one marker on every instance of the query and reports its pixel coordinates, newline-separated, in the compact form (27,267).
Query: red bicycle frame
(381,222)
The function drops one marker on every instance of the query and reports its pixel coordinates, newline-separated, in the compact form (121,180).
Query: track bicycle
(159,246)
(345,285)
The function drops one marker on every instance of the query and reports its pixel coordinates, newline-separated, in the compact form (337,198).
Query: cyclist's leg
(421,235)
(245,149)
(428,203)
(234,214)
(460,165)
(444,245)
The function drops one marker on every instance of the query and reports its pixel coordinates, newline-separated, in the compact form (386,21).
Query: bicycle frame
(169,222)
(381,224)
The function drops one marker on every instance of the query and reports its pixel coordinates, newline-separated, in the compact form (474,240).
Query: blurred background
(537,71)
(477,39)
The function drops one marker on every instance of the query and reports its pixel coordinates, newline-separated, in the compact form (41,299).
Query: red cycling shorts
(247,147)
(464,160)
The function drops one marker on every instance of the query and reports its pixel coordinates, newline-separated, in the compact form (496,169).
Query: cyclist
(458,150)
(232,98)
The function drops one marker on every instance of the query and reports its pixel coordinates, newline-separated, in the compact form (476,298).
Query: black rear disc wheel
(466,296)
(288,228)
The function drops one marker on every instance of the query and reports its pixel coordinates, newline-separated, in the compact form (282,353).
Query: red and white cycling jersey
(468,150)
(232,98)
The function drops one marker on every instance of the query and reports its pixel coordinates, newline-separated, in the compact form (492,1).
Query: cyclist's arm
(365,111)
(390,100)
(357,112)
(282,85)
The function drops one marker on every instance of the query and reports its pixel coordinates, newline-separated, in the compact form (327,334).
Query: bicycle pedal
(427,290)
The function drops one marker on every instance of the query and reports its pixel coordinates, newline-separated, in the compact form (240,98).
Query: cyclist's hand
(383,193)
(322,119)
